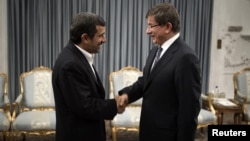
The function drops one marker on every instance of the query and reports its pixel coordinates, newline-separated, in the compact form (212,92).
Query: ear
(85,38)
(169,27)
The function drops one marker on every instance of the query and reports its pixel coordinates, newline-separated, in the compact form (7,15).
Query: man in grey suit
(79,94)
(171,87)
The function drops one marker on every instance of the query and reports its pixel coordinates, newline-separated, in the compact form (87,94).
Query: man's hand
(122,102)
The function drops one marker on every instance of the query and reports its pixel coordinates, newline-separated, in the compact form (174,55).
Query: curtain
(39,29)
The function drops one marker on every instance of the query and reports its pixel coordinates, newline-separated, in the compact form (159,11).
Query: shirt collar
(168,43)
(89,56)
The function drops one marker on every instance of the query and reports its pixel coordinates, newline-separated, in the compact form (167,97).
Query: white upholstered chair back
(5,116)
(37,88)
(3,86)
(242,84)
(123,78)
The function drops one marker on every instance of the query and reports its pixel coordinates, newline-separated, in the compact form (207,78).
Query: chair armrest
(6,102)
(6,99)
(19,99)
(207,102)
(16,107)
(6,106)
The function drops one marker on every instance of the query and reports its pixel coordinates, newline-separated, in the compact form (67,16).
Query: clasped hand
(121,102)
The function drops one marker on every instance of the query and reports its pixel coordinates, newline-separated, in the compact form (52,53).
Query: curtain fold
(39,30)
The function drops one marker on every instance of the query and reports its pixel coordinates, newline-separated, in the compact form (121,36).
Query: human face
(156,31)
(98,39)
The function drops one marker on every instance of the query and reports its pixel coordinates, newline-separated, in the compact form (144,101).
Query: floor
(123,135)
(133,136)
(201,135)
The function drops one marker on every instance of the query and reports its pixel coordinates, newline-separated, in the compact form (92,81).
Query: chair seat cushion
(206,116)
(35,120)
(4,122)
(129,118)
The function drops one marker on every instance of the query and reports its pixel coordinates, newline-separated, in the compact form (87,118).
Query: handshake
(122,102)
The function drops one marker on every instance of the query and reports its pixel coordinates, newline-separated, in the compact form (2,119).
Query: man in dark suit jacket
(79,94)
(171,88)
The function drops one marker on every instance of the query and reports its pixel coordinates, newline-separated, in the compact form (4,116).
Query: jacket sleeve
(135,91)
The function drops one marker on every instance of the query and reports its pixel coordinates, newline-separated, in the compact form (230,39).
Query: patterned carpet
(123,135)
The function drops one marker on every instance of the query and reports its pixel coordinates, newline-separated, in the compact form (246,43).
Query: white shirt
(89,57)
(168,43)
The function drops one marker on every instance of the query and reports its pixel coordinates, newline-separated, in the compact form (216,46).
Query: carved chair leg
(14,136)
(114,137)
(4,136)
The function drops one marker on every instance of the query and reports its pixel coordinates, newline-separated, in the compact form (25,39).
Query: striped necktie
(157,56)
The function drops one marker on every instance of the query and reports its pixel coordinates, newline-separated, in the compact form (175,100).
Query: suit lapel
(150,61)
(167,56)
(82,60)
(97,78)
(99,83)
(86,64)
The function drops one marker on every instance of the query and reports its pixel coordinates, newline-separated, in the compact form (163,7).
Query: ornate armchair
(241,81)
(5,116)
(33,109)
(129,119)
(207,115)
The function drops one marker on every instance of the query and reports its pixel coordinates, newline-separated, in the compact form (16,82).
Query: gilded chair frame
(239,98)
(18,106)
(207,106)
(5,108)
(134,107)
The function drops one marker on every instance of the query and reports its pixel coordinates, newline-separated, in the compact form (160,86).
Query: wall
(234,53)
(3,37)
